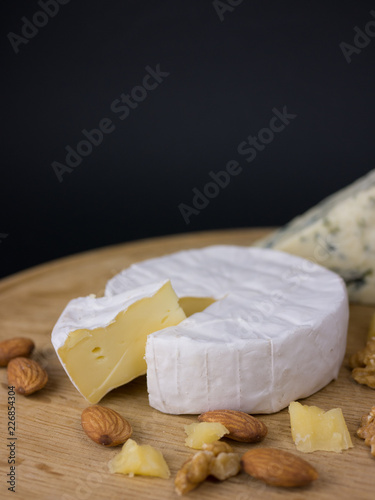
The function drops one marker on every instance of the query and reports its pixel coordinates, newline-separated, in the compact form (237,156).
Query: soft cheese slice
(338,233)
(101,342)
(275,331)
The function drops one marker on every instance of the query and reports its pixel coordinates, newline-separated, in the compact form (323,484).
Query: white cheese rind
(277,332)
(338,233)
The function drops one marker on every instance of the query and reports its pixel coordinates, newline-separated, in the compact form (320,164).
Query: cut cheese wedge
(101,342)
(338,233)
(271,329)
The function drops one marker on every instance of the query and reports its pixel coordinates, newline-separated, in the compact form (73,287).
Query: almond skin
(26,375)
(13,348)
(241,426)
(278,467)
(105,426)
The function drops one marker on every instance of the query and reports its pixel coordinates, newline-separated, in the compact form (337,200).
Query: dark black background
(225,79)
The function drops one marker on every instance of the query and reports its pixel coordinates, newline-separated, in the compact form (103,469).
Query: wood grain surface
(55,459)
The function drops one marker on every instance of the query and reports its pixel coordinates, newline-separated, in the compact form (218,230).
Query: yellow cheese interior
(101,359)
(192,305)
(315,429)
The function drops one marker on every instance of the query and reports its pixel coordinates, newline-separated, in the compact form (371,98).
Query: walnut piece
(363,364)
(367,430)
(217,459)
(218,447)
(225,465)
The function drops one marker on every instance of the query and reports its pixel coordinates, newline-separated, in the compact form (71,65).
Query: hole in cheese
(192,305)
(121,344)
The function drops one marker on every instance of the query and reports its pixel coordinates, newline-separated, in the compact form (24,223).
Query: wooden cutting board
(54,458)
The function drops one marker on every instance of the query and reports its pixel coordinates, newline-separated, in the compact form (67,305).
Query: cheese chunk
(338,233)
(200,433)
(314,429)
(142,460)
(274,332)
(101,342)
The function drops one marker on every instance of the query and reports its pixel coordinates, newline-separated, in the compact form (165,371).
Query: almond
(26,375)
(105,426)
(278,468)
(12,348)
(241,426)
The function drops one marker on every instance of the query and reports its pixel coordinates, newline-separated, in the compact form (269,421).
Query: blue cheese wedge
(264,328)
(338,233)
